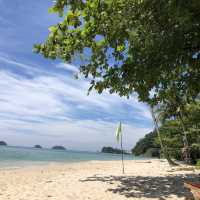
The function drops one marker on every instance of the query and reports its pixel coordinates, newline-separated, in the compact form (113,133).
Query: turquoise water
(20,156)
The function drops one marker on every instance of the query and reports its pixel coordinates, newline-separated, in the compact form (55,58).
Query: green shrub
(152,152)
(148,142)
(175,153)
(195,153)
(198,164)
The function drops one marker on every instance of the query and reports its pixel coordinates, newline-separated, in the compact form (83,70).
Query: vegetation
(2,143)
(162,145)
(148,142)
(59,148)
(150,47)
(171,133)
(38,146)
(198,164)
(128,46)
(112,150)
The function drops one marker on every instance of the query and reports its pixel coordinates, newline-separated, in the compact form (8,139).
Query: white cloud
(45,95)
(50,108)
(29,69)
(24,97)
(68,67)
(73,134)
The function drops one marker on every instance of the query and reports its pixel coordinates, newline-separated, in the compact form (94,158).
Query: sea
(15,157)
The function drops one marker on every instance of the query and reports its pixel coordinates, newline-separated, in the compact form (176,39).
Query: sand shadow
(149,187)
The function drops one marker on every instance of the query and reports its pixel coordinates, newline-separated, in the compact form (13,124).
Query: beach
(97,180)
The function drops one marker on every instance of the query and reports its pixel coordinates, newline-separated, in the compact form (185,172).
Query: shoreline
(39,164)
(96,180)
(20,157)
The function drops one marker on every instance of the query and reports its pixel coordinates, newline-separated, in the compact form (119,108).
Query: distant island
(2,143)
(112,150)
(59,148)
(37,146)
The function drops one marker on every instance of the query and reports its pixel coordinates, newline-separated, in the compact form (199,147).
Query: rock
(58,148)
(152,152)
(2,143)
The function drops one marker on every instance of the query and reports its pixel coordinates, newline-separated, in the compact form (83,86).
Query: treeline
(147,146)
(171,132)
(112,150)
(2,143)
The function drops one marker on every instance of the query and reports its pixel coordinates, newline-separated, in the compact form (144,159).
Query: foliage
(145,143)
(171,133)
(58,148)
(112,150)
(192,121)
(2,143)
(195,152)
(198,164)
(130,46)
(153,152)
(38,146)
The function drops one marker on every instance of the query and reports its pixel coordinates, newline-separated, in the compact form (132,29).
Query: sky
(40,100)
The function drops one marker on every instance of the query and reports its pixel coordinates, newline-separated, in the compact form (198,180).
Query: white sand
(95,180)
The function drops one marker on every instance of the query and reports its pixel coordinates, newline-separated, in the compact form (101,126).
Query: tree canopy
(129,46)
(171,133)
(112,150)
(148,142)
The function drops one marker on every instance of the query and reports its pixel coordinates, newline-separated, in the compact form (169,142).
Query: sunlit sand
(96,180)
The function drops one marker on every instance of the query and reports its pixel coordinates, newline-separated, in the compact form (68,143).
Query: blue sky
(42,103)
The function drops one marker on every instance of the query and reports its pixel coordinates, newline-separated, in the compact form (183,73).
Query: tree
(163,147)
(173,105)
(148,142)
(129,46)
(185,124)
(170,131)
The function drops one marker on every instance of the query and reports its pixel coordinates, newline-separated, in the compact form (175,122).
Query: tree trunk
(186,149)
(163,148)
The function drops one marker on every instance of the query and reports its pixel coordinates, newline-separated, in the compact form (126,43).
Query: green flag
(119,131)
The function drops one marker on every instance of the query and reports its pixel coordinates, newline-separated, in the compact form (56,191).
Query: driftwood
(195,189)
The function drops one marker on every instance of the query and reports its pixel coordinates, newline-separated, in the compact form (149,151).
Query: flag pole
(120,139)
(122,152)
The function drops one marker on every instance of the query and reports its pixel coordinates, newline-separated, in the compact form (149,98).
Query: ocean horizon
(12,156)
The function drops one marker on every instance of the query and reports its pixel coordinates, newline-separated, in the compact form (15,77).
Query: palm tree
(163,148)
(173,106)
